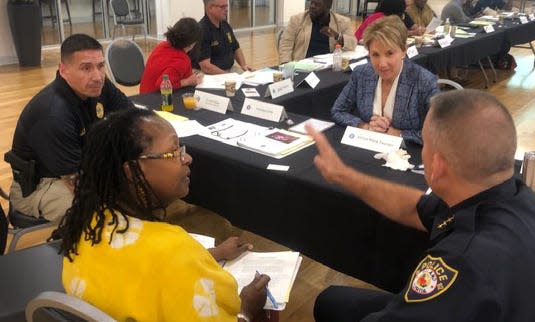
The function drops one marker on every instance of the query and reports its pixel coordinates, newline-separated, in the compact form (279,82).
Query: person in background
(51,129)
(219,46)
(119,255)
(453,11)
(494,5)
(420,12)
(479,217)
(390,94)
(315,32)
(388,8)
(171,57)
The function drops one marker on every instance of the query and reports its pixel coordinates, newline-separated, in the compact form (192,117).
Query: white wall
(288,8)
(7,48)
(168,12)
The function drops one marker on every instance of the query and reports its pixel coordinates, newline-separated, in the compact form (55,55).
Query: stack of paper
(275,143)
(281,267)
(318,125)
(218,81)
(259,77)
(308,65)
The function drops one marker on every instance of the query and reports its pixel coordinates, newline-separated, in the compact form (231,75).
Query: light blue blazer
(416,85)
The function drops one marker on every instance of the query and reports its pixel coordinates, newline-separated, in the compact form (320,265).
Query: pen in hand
(269,295)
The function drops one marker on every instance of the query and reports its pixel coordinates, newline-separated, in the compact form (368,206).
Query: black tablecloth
(304,100)
(298,208)
(466,51)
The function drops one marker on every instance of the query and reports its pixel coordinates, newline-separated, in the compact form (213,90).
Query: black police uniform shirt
(52,127)
(481,266)
(218,44)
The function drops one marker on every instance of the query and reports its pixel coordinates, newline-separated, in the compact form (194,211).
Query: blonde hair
(389,30)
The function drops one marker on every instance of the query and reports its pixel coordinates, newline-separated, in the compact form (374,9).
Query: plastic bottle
(447,27)
(166,89)
(337,58)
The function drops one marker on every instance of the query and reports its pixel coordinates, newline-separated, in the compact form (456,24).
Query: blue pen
(269,295)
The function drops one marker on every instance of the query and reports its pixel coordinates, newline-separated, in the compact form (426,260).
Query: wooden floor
(514,88)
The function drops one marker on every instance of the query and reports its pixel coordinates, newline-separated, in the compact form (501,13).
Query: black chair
(23,227)
(125,62)
(123,17)
(52,15)
(366,11)
(3,230)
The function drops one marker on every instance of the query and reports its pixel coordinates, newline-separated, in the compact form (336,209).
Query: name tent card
(488,29)
(412,51)
(214,103)
(369,140)
(531,16)
(445,42)
(523,19)
(278,89)
(266,111)
(311,80)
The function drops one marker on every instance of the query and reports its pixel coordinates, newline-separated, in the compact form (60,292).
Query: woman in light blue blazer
(390,94)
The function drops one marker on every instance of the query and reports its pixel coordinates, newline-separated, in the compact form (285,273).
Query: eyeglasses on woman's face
(178,153)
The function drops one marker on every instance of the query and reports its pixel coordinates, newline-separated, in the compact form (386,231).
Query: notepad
(281,267)
(171,117)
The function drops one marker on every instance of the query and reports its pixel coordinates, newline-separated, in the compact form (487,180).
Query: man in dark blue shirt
(480,220)
(52,127)
(219,47)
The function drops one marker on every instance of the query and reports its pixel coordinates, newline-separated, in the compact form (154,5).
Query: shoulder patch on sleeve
(431,278)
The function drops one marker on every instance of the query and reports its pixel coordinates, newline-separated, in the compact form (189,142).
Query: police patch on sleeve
(431,278)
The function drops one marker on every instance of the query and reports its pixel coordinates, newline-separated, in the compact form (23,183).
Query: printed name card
(213,102)
(412,51)
(312,80)
(532,16)
(278,89)
(266,111)
(523,19)
(488,28)
(369,140)
(445,42)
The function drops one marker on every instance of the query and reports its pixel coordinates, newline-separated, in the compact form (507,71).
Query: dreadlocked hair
(103,185)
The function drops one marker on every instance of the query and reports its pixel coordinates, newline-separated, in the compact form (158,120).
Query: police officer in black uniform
(480,220)
(219,47)
(51,130)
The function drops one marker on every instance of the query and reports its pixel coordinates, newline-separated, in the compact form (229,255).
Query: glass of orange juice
(189,101)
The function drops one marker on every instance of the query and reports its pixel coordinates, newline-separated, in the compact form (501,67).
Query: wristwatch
(243,317)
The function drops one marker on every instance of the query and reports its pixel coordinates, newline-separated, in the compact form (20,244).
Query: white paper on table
(326,59)
(205,241)
(218,81)
(259,77)
(359,52)
(281,267)
(187,128)
(360,62)
(230,130)
(250,92)
(433,24)
(318,125)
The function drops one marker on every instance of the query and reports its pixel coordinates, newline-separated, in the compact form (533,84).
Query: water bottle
(337,58)
(447,27)
(166,89)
